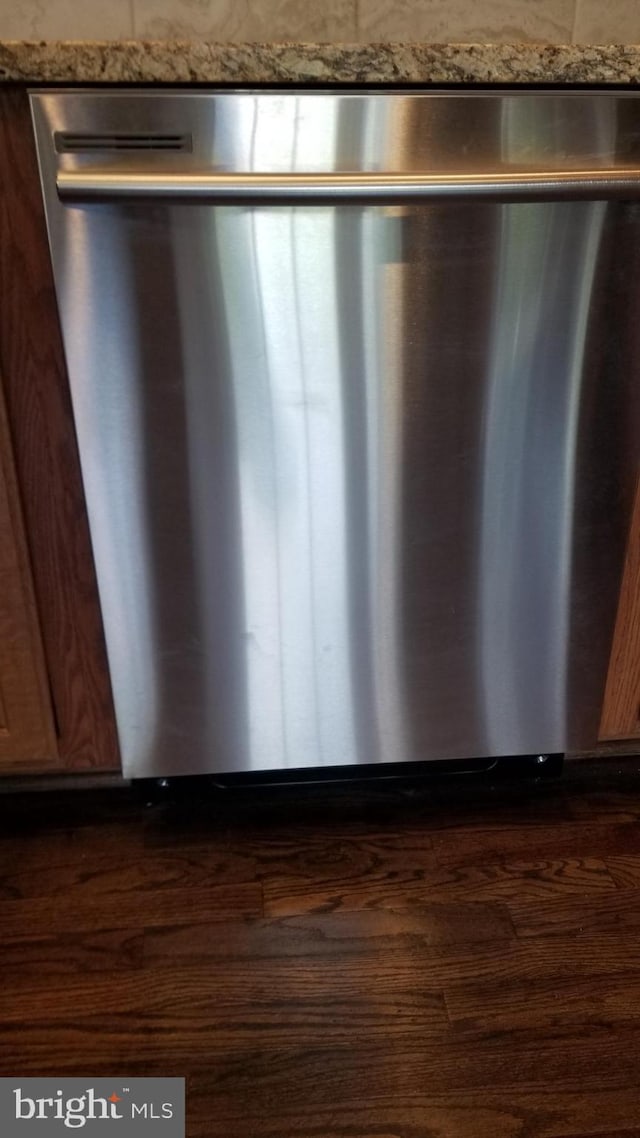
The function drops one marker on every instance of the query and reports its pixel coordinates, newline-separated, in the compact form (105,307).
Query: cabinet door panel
(27,736)
(46,459)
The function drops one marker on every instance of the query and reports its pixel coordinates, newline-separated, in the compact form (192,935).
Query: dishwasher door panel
(358,475)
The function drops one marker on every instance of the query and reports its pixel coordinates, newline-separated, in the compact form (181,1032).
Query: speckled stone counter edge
(176,62)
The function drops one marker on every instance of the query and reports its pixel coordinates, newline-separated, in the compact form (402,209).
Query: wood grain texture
(621,707)
(33,368)
(110,950)
(514,1006)
(481,995)
(108,874)
(295,959)
(27,735)
(625,870)
(494,1112)
(564,840)
(619,910)
(44,915)
(285,895)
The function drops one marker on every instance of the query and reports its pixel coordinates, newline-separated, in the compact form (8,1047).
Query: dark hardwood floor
(390,961)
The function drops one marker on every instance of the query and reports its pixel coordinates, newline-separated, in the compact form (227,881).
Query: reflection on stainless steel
(358,471)
(529,459)
(222,188)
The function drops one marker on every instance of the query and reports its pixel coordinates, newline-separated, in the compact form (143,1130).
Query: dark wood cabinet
(40,425)
(621,709)
(27,734)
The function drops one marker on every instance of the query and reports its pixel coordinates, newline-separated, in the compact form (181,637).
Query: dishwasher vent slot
(69,143)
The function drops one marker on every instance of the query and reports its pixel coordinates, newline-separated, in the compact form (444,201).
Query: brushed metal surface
(76,185)
(358,475)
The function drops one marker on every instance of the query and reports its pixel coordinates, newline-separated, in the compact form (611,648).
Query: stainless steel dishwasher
(355,381)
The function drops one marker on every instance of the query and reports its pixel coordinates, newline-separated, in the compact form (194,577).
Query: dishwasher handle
(224,188)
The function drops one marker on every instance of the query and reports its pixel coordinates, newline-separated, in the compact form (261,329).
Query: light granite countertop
(234,63)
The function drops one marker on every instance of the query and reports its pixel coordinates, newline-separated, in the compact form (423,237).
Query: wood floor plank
(33,849)
(42,916)
(494,1116)
(440,966)
(624,870)
(627,1133)
(337,934)
(314,977)
(495,1112)
(196,1004)
(431,1061)
(188,868)
(70,953)
(538,1070)
(573,915)
(537,1003)
(289,895)
(341,859)
(584,839)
